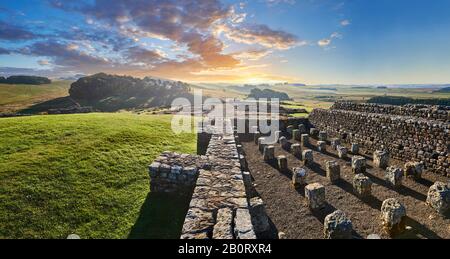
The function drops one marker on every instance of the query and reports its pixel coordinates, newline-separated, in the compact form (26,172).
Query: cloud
(44,62)
(252,55)
(275,2)
(327,41)
(13,33)
(4,51)
(324,42)
(345,23)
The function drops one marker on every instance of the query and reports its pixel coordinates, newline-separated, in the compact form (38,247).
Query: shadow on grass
(161,217)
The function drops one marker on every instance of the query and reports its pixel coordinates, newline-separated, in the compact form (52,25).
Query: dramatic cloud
(4,51)
(12,32)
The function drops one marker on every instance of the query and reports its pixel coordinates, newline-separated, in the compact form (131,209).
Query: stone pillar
(259,216)
(414,170)
(277,136)
(302,129)
(256,136)
(296,150)
(269,153)
(290,129)
(243,162)
(393,216)
(323,136)
(296,135)
(394,176)
(358,165)
(342,152)
(315,196)
(333,171)
(337,226)
(322,146)
(282,163)
(439,197)
(284,143)
(243,227)
(308,157)
(335,143)
(261,144)
(305,140)
(298,177)
(314,132)
(381,159)
(362,185)
(355,148)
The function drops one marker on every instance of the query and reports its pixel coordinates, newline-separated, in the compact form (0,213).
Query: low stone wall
(406,138)
(441,113)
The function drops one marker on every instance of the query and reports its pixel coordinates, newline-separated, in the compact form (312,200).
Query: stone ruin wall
(430,112)
(406,138)
(224,204)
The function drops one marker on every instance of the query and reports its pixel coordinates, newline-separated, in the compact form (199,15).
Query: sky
(247,41)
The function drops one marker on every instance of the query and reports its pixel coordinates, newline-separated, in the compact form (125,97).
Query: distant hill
(443,90)
(25,80)
(110,92)
(268,94)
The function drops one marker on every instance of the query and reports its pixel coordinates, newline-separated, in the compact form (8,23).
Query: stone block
(414,170)
(296,135)
(259,216)
(256,137)
(153,169)
(269,153)
(308,157)
(439,197)
(243,227)
(315,196)
(296,150)
(223,229)
(298,177)
(261,144)
(164,170)
(176,170)
(277,136)
(305,140)
(322,146)
(393,216)
(362,185)
(337,226)
(335,143)
(314,132)
(342,152)
(355,149)
(394,176)
(333,171)
(284,143)
(323,136)
(282,163)
(381,159)
(290,130)
(302,129)
(358,165)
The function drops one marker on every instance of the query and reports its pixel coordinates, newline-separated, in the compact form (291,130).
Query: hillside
(86,174)
(268,94)
(112,93)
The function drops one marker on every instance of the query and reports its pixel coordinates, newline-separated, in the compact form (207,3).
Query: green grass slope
(86,174)
(17,97)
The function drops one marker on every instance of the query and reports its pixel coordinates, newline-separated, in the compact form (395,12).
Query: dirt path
(288,211)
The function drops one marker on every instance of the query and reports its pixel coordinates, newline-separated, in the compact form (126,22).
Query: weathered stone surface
(322,146)
(358,165)
(296,135)
(381,159)
(243,227)
(284,143)
(282,163)
(154,169)
(373,236)
(394,176)
(315,195)
(362,185)
(393,216)
(305,140)
(342,152)
(314,132)
(335,142)
(256,137)
(269,153)
(259,216)
(337,226)
(261,144)
(355,148)
(290,130)
(439,197)
(223,228)
(308,157)
(298,177)
(333,171)
(323,136)
(414,170)
(296,150)
(277,136)
(73,236)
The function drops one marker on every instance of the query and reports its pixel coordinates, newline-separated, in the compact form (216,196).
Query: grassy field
(86,174)
(16,97)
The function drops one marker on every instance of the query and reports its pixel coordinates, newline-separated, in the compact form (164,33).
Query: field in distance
(86,174)
(14,98)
